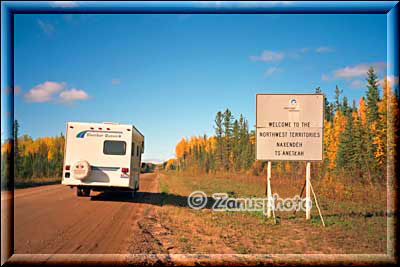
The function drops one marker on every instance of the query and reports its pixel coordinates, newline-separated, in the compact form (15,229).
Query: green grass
(163,187)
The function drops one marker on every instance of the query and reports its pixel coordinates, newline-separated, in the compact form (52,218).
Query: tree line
(40,158)
(359,140)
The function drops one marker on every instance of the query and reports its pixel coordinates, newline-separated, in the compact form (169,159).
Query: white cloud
(324,49)
(69,96)
(350,72)
(357,84)
(267,55)
(357,70)
(44,92)
(64,3)
(47,28)
(115,81)
(272,70)
(56,92)
(325,77)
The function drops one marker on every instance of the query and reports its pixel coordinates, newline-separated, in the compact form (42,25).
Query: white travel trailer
(102,157)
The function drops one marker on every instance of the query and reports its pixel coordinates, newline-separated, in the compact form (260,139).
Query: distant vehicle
(102,157)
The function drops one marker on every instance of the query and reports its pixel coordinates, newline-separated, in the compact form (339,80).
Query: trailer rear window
(114,147)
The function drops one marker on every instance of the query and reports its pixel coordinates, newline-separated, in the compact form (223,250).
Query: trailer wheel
(79,192)
(81,170)
(86,192)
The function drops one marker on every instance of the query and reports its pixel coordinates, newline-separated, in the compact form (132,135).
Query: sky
(170,74)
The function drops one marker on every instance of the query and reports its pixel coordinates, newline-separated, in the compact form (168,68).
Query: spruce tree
(245,149)
(227,122)
(337,98)
(372,121)
(345,152)
(358,158)
(372,96)
(236,145)
(219,139)
(345,106)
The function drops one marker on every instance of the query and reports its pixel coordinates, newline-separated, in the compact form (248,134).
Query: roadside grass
(163,188)
(351,225)
(25,183)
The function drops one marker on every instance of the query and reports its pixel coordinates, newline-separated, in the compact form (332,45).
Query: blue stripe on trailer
(98,168)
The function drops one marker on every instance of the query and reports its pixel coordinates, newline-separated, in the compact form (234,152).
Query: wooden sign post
(269,191)
(308,189)
(290,127)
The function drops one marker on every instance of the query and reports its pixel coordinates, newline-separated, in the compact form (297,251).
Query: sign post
(308,189)
(269,192)
(290,127)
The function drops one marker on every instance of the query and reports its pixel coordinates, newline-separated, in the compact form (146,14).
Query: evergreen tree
(245,146)
(372,117)
(372,96)
(236,149)
(358,158)
(328,108)
(346,146)
(227,122)
(354,106)
(337,98)
(345,106)
(219,139)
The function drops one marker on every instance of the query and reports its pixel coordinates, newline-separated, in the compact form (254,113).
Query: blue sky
(169,74)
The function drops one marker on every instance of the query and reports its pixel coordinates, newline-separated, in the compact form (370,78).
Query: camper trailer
(102,157)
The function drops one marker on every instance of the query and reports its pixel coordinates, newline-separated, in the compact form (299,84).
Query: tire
(79,192)
(81,170)
(86,192)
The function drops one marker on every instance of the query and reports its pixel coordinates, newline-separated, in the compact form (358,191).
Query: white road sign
(289,127)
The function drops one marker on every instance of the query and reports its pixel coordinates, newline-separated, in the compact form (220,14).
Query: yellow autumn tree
(6,148)
(380,137)
(211,144)
(332,133)
(392,124)
(171,164)
(180,148)
(362,112)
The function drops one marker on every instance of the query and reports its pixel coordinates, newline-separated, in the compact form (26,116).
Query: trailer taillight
(67,167)
(125,170)
(108,129)
(99,128)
